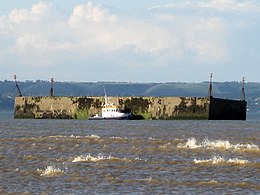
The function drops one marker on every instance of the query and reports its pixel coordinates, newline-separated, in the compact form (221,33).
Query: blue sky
(130,41)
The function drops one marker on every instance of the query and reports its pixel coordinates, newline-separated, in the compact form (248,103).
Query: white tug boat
(112,112)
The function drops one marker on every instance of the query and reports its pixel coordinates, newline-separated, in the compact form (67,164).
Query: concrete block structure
(163,108)
(84,107)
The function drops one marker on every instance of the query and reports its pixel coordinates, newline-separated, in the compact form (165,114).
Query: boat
(112,112)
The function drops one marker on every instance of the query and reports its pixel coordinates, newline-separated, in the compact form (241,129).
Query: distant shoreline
(225,90)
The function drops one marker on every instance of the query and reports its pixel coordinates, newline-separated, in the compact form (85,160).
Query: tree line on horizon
(230,90)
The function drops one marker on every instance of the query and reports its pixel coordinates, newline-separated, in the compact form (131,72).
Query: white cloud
(206,37)
(90,30)
(90,13)
(36,12)
(100,31)
(229,5)
(219,5)
(91,34)
(201,27)
(202,39)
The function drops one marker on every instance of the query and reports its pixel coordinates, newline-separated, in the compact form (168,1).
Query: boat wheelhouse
(111,111)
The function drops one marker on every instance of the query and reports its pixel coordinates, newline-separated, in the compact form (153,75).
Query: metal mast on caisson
(17,87)
(51,92)
(210,85)
(243,95)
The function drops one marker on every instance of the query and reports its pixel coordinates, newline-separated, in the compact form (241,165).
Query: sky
(130,41)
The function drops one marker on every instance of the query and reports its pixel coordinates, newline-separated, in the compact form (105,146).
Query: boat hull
(110,118)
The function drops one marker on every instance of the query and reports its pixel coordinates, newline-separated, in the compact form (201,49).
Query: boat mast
(210,85)
(16,85)
(106,98)
(243,95)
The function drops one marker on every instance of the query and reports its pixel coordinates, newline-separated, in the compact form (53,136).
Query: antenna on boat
(106,98)
(210,85)
(243,95)
(51,92)
(16,85)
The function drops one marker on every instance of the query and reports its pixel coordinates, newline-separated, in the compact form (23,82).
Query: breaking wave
(221,160)
(50,171)
(119,138)
(100,157)
(217,144)
(75,136)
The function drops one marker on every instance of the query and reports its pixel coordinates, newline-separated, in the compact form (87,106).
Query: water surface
(129,157)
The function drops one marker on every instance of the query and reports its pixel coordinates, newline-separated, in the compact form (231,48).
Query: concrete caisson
(142,107)
(82,107)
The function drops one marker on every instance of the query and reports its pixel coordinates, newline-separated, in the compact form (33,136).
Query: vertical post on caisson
(243,95)
(210,85)
(16,84)
(51,92)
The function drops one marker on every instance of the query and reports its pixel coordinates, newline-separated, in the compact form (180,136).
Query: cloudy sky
(130,41)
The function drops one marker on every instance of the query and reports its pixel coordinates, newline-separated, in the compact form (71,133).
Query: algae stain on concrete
(81,114)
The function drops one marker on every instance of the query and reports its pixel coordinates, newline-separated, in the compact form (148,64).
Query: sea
(129,157)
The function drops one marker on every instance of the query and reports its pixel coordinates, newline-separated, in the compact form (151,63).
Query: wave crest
(221,160)
(217,144)
(100,157)
(51,171)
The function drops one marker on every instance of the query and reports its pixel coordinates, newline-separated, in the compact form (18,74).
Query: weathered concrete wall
(83,107)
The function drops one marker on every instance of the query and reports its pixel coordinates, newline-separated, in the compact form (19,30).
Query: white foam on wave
(89,158)
(214,160)
(119,138)
(217,144)
(100,157)
(191,143)
(211,182)
(165,146)
(93,136)
(238,161)
(51,171)
(221,160)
